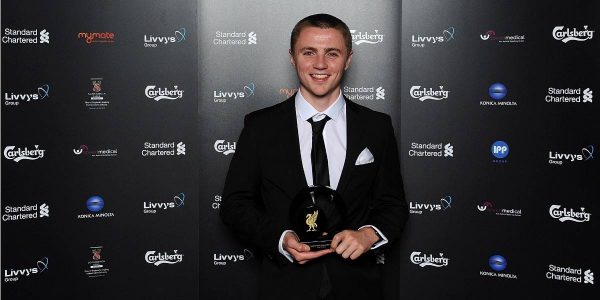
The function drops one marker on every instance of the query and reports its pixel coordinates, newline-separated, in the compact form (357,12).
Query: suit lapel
(291,147)
(354,137)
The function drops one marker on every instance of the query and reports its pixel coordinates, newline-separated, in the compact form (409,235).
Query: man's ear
(348,61)
(292,57)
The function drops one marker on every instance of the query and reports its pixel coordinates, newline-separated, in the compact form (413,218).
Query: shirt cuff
(381,242)
(281,250)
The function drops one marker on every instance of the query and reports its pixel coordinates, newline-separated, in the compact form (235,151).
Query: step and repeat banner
(119,121)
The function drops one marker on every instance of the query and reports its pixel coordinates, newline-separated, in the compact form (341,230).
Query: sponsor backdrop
(119,121)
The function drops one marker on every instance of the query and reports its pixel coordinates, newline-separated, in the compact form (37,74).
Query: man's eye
(308,53)
(332,54)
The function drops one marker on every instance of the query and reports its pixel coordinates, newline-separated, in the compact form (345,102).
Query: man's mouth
(320,76)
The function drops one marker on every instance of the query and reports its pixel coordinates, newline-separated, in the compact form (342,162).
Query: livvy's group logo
(85,150)
(430,150)
(235,38)
(366,37)
(491,35)
(25,36)
(363,93)
(429,260)
(18,154)
(25,212)
(97,37)
(561,158)
(220,259)
(14,274)
(421,40)
(226,148)
(444,204)
(565,35)
(164,93)
(569,95)
(156,40)
(152,207)
(245,92)
(423,93)
(16,98)
(563,214)
(158,258)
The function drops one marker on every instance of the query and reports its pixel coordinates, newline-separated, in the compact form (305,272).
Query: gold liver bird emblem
(311,221)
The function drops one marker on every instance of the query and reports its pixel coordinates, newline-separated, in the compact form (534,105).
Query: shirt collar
(305,111)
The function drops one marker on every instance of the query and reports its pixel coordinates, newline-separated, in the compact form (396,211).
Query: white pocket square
(365,157)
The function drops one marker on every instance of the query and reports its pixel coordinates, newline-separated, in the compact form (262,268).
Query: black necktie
(318,155)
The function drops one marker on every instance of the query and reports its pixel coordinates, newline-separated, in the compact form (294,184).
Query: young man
(279,153)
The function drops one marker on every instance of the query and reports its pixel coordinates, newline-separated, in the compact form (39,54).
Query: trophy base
(318,245)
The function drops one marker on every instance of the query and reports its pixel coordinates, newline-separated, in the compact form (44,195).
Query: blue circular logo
(497,263)
(95,203)
(500,149)
(497,91)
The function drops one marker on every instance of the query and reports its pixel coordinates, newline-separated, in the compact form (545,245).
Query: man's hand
(353,243)
(301,252)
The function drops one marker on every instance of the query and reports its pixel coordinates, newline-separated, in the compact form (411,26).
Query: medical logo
(420,41)
(235,38)
(154,41)
(14,99)
(151,207)
(422,208)
(220,259)
(569,95)
(97,37)
(163,149)
(491,35)
(500,151)
(156,258)
(365,37)
(96,266)
(422,93)
(424,260)
(245,92)
(564,215)
(570,274)
(364,93)
(19,154)
(158,94)
(558,158)
(85,150)
(12,275)
(25,212)
(488,207)
(25,36)
(225,147)
(559,33)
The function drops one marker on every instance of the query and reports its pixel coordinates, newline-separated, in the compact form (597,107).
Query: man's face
(320,58)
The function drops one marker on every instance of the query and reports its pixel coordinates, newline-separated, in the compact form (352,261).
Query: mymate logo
(97,37)
(153,40)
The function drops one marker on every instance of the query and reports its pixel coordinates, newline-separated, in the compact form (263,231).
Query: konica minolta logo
(560,33)
(18,154)
(424,260)
(564,214)
(158,258)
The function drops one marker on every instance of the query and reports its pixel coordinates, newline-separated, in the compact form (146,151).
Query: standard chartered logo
(44,210)
(448,150)
(588,277)
(180,148)
(380,94)
(252,38)
(587,95)
(44,37)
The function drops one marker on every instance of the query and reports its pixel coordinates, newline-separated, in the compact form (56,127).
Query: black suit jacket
(266,173)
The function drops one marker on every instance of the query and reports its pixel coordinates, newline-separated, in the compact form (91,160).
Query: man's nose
(320,62)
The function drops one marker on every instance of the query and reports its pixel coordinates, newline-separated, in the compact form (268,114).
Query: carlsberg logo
(569,215)
(156,258)
(424,260)
(566,35)
(23,154)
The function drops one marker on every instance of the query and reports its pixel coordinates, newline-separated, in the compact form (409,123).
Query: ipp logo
(95,203)
(497,91)
(500,149)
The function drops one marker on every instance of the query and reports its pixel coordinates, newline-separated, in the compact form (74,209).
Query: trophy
(317,213)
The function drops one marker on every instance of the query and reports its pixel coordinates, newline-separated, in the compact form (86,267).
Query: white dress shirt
(335,138)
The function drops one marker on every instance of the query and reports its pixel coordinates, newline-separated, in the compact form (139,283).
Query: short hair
(323,21)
